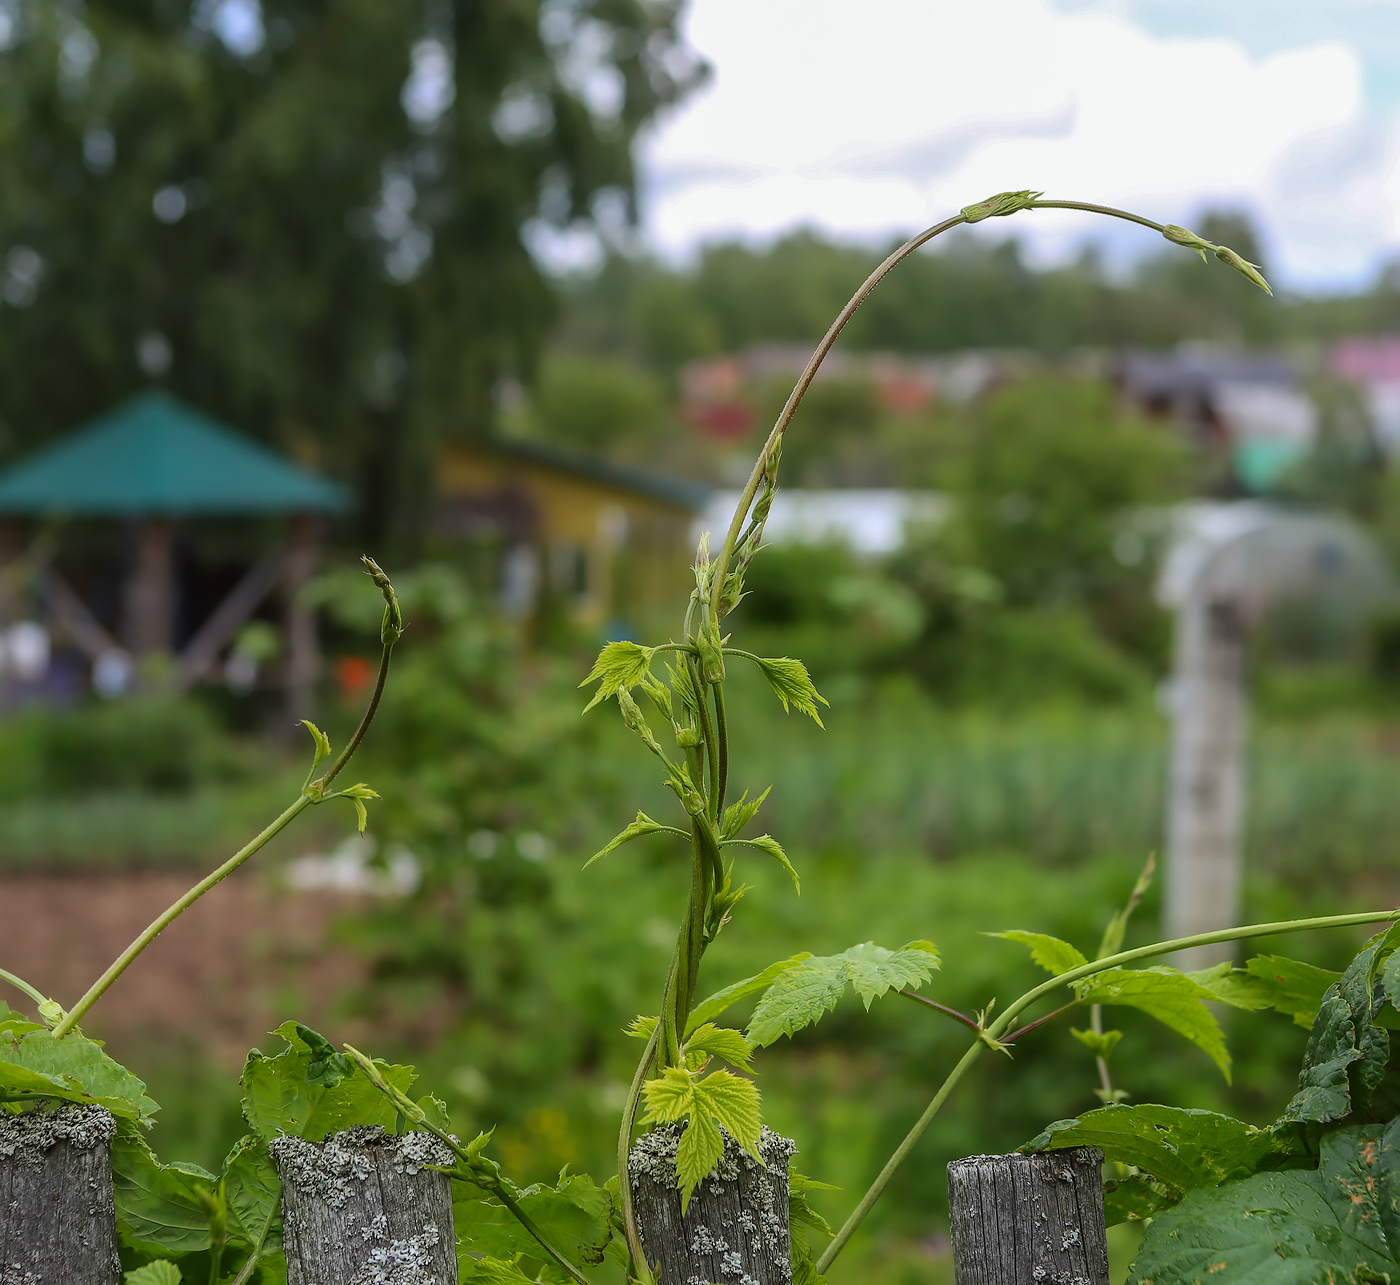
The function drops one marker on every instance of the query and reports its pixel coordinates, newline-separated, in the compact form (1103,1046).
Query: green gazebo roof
(155,455)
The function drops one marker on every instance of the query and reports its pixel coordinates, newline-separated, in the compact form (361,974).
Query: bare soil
(236,964)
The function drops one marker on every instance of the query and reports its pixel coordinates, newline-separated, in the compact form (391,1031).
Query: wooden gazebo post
(149,624)
(154,462)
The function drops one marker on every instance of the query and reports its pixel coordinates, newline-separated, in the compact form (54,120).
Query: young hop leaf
(723,1042)
(720,1100)
(767,843)
(1052,954)
(163,1272)
(803,994)
(1270,981)
(1169,996)
(710,1008)
(738,815)
(620,666)
(253,1196)
(643,825)
(790,681)
(323,743)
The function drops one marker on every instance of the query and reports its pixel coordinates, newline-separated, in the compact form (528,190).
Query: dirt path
(237,963)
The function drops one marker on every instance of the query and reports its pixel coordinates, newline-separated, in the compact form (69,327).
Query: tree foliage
(309,218)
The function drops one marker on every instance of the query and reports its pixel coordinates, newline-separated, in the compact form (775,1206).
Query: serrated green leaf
(733,1046)
(721,1098)
(1178,1148)
(641,1028)
(160,1208)
(1323,1092)
(712,1006)
(669,1096)
(875,970)
(489,1271)
(1134,1198)
(1099,1043)
(802,994)
(641,826)
(738,815)
(620,666)
(253,1195)
(734,1103)
(767,843)
(697,1154)
(1270,981)
(435,1112)
(792,684)
(799,997)
(1169,996)
(575,1216)
(278,1097)
(74,1069)
(163,1272)
(1295,1228)
(1052,954)
(683,687)
(322,741)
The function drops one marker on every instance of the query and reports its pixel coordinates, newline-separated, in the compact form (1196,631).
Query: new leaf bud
(711,655)
(999,206)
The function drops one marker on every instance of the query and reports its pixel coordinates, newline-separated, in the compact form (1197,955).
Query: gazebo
(154,461)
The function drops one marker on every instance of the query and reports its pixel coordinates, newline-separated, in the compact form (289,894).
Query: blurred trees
(305,217)
(967,291)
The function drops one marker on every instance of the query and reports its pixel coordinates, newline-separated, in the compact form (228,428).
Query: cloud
(865,121)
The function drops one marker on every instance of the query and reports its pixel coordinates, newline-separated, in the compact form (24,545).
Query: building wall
(607,553)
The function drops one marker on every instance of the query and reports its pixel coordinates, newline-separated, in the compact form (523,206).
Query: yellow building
(609,543)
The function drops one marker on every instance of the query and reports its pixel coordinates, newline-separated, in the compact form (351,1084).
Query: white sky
(866,118)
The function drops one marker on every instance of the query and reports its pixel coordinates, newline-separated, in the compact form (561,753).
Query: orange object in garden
(353,674)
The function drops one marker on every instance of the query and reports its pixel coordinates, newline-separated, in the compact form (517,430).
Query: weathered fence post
(57,1216)
(735,1230)
(1029,1220)
(362,1206)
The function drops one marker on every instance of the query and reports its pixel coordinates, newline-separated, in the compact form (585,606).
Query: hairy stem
(1105,1080)
(1002,1023)
(311,793)
(624,1137)
(942,1008)
(20,984)
(168,916)
(746,498)
(722,746)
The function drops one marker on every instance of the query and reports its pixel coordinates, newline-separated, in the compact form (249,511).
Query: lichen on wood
(1029,1219)
(57,1214)
(735,1229)
(366,1207)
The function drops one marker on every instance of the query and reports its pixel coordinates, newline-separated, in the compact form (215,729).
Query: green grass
(121,829)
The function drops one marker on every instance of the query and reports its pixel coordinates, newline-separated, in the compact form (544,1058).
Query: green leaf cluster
(34,1065)
(719,1101)
(1314,1196)
(803,992)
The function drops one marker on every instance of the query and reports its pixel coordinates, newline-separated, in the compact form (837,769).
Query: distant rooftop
(154,455)
(679,492)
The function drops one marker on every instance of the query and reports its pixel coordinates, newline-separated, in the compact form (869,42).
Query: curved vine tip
(1249,271)
(999,206)
(392,628)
